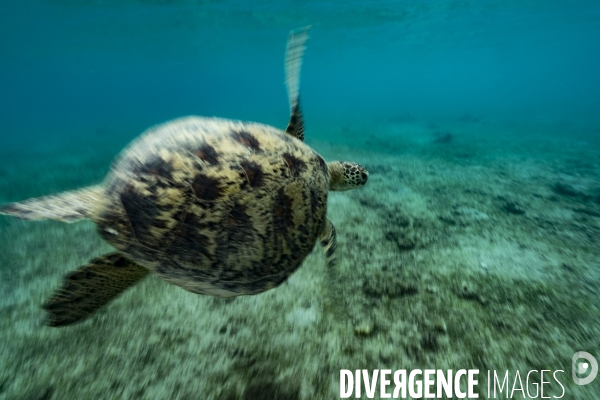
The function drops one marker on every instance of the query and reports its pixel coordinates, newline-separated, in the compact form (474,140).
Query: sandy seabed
(473,246)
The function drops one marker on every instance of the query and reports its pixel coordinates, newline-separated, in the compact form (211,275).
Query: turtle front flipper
(67,206)
(293,63)
(329,242)
(90,287)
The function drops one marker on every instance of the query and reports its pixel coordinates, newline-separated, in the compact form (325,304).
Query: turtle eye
(364,175)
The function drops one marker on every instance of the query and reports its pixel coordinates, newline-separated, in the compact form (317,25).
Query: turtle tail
(67,206)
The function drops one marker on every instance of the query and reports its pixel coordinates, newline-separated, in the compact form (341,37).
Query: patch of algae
(474,264)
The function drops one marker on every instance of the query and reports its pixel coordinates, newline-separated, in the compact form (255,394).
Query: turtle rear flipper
(92,286)
(67,206)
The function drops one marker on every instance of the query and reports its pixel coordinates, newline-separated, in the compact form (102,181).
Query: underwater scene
(411,208)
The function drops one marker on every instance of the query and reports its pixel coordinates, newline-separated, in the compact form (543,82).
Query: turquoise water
(475,243)
(147,61)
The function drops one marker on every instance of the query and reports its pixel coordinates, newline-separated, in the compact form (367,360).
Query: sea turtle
(218,207)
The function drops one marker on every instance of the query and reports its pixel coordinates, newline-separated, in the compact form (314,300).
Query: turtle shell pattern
(215,206)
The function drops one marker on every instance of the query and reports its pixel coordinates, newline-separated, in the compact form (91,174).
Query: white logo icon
(580,368)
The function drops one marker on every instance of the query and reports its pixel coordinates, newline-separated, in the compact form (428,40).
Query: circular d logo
(581,367)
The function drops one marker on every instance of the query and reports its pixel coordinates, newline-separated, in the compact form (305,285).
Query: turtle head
(346,175)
